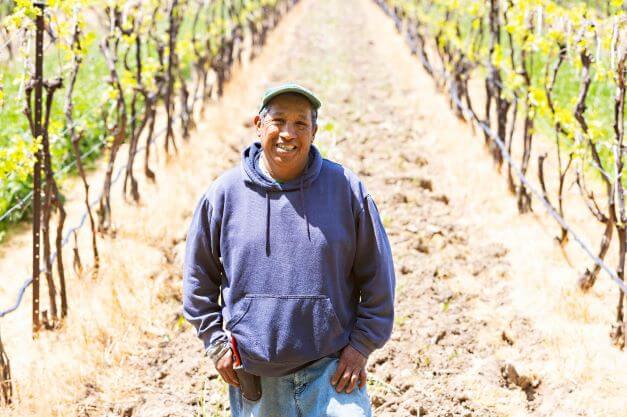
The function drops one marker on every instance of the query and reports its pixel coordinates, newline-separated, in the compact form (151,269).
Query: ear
(257,123)
(313,135)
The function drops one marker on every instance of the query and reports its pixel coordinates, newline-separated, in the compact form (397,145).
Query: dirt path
(478,328)
(461,345)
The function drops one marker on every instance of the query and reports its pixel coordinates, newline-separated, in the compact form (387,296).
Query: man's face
(286,132)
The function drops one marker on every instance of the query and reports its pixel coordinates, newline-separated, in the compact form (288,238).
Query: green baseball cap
(272,92)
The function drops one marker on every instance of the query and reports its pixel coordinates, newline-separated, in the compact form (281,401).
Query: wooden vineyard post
(6,385)
(172,63)
(619,333)
(39,58)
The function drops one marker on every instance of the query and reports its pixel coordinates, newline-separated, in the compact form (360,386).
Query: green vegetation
(553,70)
(95,96)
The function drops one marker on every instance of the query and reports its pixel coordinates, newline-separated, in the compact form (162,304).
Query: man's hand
(350,369)
(224,366)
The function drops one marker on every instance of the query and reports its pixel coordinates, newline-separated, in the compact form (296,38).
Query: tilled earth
(439,359)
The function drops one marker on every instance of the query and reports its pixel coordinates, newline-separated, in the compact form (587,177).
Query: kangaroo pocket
(287,328)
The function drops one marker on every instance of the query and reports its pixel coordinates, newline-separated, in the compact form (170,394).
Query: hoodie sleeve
(202,275)
(373,269)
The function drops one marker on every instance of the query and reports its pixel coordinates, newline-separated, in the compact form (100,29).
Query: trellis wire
(469,114)
(66,238)
(63,169)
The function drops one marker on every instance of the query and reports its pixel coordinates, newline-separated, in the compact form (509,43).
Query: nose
(289,131)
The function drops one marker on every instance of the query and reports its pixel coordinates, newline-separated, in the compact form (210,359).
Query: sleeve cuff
(218,349)
(214,339)
(361,344)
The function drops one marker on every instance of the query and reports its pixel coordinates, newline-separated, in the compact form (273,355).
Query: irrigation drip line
(81,223)
(469,114)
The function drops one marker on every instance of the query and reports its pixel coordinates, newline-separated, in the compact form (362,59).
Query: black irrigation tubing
(66,238)
(499,142)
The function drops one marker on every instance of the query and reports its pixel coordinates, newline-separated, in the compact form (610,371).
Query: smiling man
(288,274)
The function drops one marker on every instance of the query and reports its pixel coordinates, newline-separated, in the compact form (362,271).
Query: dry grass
(108,317)
(133,302)
(560,334)
(566,336)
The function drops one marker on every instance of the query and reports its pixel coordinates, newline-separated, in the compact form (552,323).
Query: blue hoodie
(295,270)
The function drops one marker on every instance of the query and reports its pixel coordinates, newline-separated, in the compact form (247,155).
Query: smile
(286,148)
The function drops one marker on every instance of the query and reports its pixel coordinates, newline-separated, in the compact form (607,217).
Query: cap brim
(315,102)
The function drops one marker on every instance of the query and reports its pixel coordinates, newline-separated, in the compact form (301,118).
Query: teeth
(286,147)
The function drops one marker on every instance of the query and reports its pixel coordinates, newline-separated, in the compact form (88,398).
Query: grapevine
(560,64)
(90,77)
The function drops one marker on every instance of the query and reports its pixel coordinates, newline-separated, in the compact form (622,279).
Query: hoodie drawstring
(267,223)
(302,200)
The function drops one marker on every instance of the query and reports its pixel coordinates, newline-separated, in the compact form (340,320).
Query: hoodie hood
(253,175)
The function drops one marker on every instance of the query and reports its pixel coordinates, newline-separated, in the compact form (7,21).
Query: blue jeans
(304,393)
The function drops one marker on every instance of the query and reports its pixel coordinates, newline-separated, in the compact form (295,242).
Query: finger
(344,380)
(226,361)
(352,382)
(225,376)
(233,376)
(341,367)
(221,366)
(227,368)
(363,378)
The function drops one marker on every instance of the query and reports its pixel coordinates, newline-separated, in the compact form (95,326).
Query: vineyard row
(539,69)
(79,77)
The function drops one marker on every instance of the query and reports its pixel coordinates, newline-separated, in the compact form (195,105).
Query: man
(288,268)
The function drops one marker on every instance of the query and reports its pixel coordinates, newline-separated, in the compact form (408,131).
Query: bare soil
(488,318)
